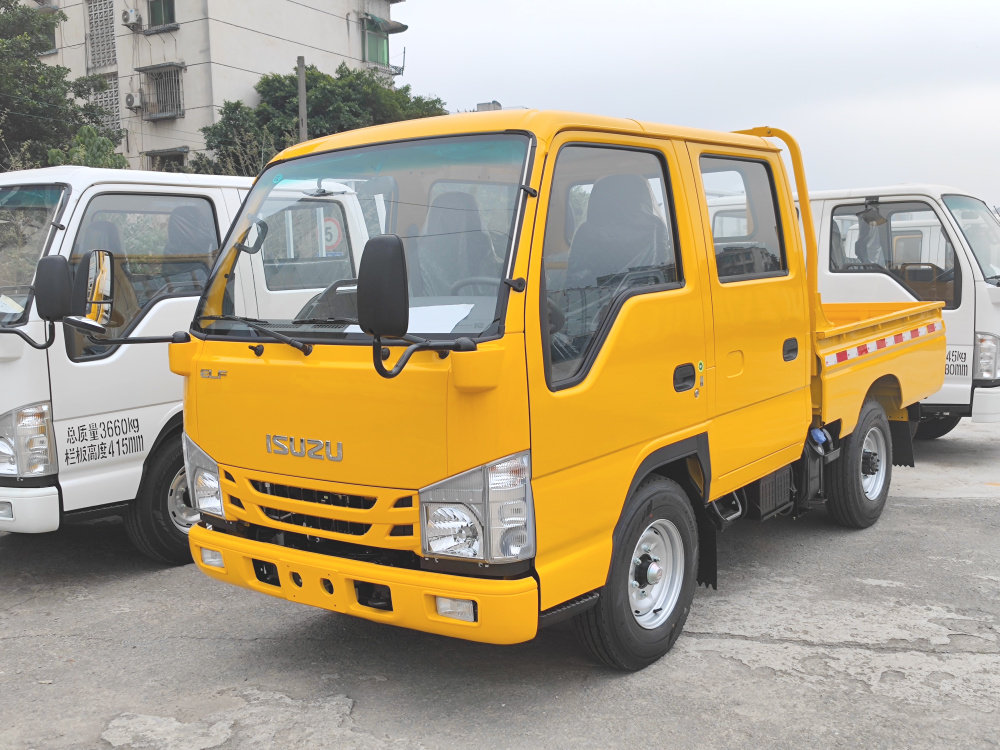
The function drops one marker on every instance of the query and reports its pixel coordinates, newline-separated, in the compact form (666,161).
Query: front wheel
(859,481)
(158,520)
(651,582)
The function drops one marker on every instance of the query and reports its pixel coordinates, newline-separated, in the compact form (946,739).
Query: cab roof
(544,124)
(79,178)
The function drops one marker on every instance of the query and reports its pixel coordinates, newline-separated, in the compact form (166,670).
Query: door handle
(684,377)
(790,349)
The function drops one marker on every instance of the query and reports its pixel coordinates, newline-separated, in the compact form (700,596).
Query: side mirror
(383,295)
(53,287)
(253,238)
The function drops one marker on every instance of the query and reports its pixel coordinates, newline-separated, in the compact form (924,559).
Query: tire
(157,521)
(935,427)
(637,620)
(860,478)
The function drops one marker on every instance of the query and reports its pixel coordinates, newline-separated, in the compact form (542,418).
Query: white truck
(923,242)
(90,428)
(85,428)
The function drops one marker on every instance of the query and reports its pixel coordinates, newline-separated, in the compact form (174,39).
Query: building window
(376,36)
(163,94)
(101,52)
(167,159)
(161,12)
(109,102)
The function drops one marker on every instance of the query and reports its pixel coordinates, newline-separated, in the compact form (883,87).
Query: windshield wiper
(994,277)
(334,319)
(258,326)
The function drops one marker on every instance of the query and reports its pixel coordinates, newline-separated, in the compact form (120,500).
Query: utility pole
(303,124)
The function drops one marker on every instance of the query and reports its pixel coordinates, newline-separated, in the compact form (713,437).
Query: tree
(89,149)
(38,101)
(245,138)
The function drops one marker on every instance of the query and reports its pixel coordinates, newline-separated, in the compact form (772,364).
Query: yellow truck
(545,388)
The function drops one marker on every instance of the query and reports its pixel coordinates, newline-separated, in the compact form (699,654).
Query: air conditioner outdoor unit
(132,19)
(134,101)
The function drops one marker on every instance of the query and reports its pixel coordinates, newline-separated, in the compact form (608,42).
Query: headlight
(984,357)
(27,448)
(203,479)
(483,514)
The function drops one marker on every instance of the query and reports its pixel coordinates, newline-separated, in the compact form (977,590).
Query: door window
(904,240)
(163,246)
(745,228)
(609,235)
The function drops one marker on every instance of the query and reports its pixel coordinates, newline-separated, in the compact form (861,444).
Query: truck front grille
(307,495)
(315,522)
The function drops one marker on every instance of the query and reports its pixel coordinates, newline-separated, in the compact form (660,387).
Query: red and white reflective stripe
(873,346)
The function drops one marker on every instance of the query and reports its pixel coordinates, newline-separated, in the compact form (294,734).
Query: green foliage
(38,103)
(245,138)
(89,149)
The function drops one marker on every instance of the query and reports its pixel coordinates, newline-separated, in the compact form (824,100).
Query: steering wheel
(470,280)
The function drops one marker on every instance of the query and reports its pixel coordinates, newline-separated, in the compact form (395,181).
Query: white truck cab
(923,242)
(91,428)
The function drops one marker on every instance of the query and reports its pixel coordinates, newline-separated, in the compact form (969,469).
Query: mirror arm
(50,336)
(461,344)
(179,337)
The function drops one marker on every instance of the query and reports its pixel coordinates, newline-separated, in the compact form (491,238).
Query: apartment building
(170,64)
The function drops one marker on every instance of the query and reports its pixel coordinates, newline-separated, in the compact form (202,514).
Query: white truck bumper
(29,510)
(986,405)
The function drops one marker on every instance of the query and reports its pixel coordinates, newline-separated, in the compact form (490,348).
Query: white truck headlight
(203,479)
(27,447)
(484,514)
(984,357)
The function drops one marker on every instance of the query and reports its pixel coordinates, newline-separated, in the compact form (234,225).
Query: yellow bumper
(507,610)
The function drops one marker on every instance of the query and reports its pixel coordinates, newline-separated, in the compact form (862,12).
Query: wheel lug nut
(635,584)
(636,561)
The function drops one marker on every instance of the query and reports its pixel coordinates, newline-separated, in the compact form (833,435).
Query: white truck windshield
(981,230)
(26,215)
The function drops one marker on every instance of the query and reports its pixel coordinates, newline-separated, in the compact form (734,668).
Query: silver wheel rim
(181,513)
(656,574)
(873,467)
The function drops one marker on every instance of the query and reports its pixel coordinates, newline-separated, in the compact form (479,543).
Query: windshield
(981,230)
(26,215)
(453,201)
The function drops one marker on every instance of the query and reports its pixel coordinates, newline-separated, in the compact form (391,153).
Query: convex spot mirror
(93,292)
(253,238)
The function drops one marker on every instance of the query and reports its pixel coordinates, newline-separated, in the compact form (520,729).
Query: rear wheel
(931,428)
(654,565)
(158,520)
(859,479)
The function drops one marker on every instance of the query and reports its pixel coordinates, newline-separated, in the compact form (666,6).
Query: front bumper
(985,403)
(508,609)
(35,509)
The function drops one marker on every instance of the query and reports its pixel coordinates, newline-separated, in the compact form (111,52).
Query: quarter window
(609,235)
(904,240)
(744,218)
(163,246)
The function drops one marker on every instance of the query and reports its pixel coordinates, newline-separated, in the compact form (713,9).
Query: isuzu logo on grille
(286,445)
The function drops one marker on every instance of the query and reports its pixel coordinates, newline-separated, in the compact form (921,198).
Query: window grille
(163,95)
(101,52)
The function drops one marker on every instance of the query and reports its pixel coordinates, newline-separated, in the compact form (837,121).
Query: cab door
(110,401)
(760,313)
(617,363)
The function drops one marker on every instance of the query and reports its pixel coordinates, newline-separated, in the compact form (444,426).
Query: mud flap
(902,443)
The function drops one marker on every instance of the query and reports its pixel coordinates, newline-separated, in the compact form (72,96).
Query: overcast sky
(876,92)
